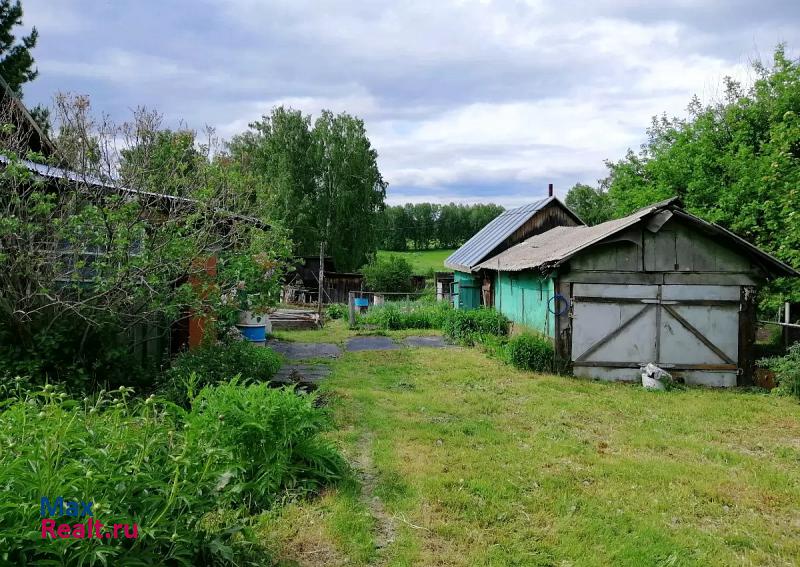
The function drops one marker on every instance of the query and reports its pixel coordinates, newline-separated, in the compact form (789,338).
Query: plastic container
(256,334)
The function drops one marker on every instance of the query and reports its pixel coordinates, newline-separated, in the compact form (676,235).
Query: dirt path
(384,523)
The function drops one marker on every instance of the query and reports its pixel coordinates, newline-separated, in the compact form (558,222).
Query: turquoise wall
(466,291)
(522,297)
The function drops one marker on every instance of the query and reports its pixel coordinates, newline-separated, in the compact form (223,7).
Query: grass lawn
(423,261)
(462,460)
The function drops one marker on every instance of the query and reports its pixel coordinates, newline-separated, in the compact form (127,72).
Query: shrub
(220,362)
(273,438)
(180,476)
(409,315)
(336,311)
(467,327)
(787,371)
(390,273)
(531,351)
(133,461)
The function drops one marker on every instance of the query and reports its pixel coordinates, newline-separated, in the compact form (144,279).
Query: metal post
(321,277)
(788,320)
(351,307)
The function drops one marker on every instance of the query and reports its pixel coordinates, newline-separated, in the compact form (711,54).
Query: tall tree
(322,182)
(592,205)
(16,61)
(351,189)
(735,162)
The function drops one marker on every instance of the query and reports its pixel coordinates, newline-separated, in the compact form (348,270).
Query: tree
(351,190)
(390,273)
(82,262)
(321,182)
(592,205)
(16,61)
(735,162)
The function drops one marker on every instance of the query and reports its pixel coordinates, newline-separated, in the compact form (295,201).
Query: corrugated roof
(549,249)
(52,172)
(492,235)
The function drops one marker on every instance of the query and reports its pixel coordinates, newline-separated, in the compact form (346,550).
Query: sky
(464,101)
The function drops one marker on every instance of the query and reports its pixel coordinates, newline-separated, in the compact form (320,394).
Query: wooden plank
(702,338)
(629,300)
(612,335)
(673,366)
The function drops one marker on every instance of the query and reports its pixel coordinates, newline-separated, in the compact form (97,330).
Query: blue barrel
(362,302)
(253,333)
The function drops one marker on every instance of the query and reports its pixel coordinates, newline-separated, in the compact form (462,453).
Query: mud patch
(304,351)
(435,341)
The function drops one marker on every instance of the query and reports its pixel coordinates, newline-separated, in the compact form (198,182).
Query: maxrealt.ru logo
(76,509)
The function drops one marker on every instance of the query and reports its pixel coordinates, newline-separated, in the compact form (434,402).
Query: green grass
(476,463)
(337,332)
(423,261)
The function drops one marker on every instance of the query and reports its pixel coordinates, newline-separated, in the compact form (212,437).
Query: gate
(690,330)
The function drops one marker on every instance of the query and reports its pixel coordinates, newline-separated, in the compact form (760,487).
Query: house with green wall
(514,295)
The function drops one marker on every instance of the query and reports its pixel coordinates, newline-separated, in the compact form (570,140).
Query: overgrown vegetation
(215,363)
(734,161)
(531,351)
(390,273)
(787,371)
(408,315)
(470,326)
(188,479)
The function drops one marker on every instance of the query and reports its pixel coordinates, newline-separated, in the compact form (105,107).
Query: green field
(423,261)
(462,460)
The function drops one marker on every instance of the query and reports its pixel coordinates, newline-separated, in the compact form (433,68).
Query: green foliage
(84,357)
(531,351)
(216,363)
(427,225)
(273,438)
(469,326)
(390,273)
(164,161)
(16,61)
(735,162)
(592,205)
(336,311)
(409,315)
(181,477)
(787,371)
(322,181)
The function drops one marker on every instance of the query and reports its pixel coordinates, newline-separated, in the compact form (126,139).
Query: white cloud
(464,100)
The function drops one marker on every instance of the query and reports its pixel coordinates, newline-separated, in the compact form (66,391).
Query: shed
(473,287)
(660,285)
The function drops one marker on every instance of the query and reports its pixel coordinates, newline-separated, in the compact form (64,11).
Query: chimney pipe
(549,189)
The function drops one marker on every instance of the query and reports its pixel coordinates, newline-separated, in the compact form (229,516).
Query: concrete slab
(307,376)
(435,341)
(304,351)
(370,343)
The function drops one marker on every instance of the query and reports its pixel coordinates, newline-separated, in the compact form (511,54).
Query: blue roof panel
(492,235)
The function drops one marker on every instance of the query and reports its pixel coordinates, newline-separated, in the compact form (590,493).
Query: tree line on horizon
(422,226)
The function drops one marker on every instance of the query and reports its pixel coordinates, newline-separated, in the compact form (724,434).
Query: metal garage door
(691,330)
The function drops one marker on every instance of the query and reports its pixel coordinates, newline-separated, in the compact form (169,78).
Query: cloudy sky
(470,101)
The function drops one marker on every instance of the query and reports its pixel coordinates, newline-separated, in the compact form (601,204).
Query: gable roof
(477,248)
(165,201)
(552,248)
(36,138)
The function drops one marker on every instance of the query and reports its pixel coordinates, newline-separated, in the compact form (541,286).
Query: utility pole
(321,278)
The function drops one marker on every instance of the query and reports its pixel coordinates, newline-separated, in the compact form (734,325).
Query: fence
(362,300)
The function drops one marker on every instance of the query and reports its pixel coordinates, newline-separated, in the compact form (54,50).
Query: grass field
(423,261)
(462,460)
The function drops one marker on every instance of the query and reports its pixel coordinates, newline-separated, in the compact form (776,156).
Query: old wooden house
(660,285)
(473,286)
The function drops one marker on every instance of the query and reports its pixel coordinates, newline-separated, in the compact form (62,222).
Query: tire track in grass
(385,528)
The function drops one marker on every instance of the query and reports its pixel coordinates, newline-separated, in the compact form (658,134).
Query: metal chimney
(549,189)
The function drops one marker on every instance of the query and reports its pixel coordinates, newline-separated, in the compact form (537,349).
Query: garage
(660,285)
